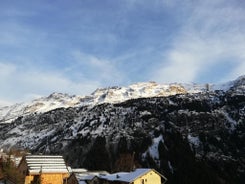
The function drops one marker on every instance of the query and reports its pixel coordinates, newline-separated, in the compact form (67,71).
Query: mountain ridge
(107,95)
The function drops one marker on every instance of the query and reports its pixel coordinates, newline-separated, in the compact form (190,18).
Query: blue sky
(76,46)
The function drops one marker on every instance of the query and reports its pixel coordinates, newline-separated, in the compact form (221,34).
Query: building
(43,169)
(76,178)
(83,176)
(138,176)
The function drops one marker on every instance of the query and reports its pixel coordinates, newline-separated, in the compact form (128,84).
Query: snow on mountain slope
(105,95)
(138,90)
(110,95)
(44,104)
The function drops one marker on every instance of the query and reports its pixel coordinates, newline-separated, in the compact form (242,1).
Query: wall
(149,178)
(51,179)
(72,179)
(29,179)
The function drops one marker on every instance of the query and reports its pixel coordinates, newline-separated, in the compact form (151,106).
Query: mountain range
(191,133)
(104,95)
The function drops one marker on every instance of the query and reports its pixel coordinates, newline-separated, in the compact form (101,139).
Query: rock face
(189,137)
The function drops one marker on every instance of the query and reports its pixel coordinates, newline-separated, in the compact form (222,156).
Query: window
(142,181)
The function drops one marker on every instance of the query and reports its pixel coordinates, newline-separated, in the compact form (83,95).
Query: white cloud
(238,71)
(6,70)
(22,85)
(103,70)
(177,68)
(47,82)
(211,36)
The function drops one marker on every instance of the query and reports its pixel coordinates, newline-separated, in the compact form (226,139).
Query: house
(138,176)
(43,169)
(83,176)
(76,178)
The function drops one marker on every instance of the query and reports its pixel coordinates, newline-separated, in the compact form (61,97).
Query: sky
(77,46)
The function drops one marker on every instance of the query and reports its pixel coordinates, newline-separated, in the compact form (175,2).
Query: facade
(43,169)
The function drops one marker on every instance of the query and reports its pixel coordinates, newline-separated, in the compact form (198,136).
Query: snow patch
(153,149)
(232,122)
(145,113)
(170,167)
(195,141)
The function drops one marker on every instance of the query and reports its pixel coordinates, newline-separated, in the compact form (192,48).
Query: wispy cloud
(104,70)
(21,85)
(211,35)
(82,76)
(6,69)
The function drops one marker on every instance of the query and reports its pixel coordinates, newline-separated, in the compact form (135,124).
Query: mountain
(191,133)
(104,95)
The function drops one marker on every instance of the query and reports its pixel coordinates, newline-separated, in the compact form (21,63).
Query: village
(25,168)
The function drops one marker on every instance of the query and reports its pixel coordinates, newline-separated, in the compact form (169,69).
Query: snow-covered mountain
(191,133)
(106,95)
(41,105)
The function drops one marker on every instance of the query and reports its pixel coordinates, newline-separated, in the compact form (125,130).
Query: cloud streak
(32,82)
(103,70)
(211,35)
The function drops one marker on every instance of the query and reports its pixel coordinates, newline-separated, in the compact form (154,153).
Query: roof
(78,170)
(45,164)
(84,175)
(126,176)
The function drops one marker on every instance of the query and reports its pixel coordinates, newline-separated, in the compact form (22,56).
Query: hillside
(192,135)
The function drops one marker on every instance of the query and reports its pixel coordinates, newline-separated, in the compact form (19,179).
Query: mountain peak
(57,95)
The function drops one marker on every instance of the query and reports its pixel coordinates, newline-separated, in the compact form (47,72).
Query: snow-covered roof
(127,176)
(84,175)
(45,164)
(78,170)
